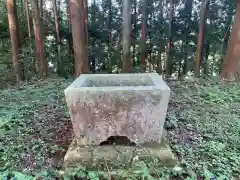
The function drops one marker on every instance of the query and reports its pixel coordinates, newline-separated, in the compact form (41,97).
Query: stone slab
(105,105)
(118,156)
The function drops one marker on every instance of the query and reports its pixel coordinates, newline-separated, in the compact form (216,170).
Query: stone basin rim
(158,83)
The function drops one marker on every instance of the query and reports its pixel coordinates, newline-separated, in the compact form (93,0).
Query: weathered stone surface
(118,156)
(131,105)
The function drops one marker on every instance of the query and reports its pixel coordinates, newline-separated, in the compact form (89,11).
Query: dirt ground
(203,126)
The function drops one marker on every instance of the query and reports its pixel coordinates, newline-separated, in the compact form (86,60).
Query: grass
(203,125)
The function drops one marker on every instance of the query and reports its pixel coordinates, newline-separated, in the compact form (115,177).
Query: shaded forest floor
(203,125)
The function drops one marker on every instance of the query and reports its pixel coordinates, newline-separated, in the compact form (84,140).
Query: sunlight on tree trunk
(79,36)
(126,25)
(13,28)
(38,31)
(231,69)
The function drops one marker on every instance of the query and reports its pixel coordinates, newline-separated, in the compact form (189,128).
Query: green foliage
(185,30)
(208,129)
(202,123)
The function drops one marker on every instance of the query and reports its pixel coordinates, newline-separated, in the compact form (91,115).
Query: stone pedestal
(127,105)
(118,157)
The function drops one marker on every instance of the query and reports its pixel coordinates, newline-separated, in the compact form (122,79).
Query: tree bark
(58,40)
(208,29)
(41,9)
(227,34)
(161,45)
(13,28)
(30,34)
(188,9)
(93,58)
(39,39)
(199,53)
(135,34)
(85,3)
(169,43)
(70,41)
(79,36)
(126,62)
(144,35)
(68,13)
(231,69)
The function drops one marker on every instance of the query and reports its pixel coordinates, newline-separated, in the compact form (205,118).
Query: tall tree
(207,50)
(13,28)
(170,43)
(38,31)
(58,40)
(231,69)
(41,8)
(227,32)
(79,36)
(93,20)
(199,54)
(134,33)
(161,45)
(144,35)
(126,43)
(85,4)
(29,33)
(188,15)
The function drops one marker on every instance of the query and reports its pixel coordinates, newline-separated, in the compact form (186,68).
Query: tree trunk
(188,13)
(70,41)
(28,20)
(38,31)
(231,69)
(79,36)
(93,19)
(144,35)
(169,44)
(41,9)
(149,48)
(85,4)
(134,34)
(30,35)
(205,62)
(227,31)
(68,13)
(161,45)
(224,45)
(22,7)
(180,62)
(58,40)
(126,62)
(199,56)
(109,36)
(13,28)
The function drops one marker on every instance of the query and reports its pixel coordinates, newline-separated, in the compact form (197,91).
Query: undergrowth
(203,125)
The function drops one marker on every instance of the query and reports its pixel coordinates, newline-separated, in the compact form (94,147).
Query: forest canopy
(172,37)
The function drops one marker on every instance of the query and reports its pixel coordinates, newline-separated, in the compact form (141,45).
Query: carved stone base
(118,157)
